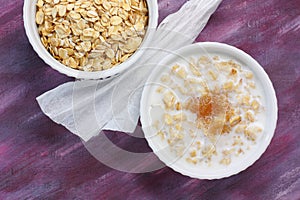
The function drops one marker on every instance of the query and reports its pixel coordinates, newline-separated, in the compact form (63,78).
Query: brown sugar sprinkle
(202,106)
(205,106)
(209,106)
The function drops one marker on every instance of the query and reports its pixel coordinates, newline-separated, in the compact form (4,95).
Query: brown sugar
(205,106)
(213,112)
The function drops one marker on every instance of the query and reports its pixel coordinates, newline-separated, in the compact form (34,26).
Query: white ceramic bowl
(262,79)
(29,11)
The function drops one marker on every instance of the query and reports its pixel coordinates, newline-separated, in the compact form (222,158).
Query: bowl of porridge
(209,110)
(90,39)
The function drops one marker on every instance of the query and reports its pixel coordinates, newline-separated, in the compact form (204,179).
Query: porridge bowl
(90,39)
(208,110)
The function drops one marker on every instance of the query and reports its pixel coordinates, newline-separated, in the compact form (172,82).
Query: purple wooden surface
(39,159)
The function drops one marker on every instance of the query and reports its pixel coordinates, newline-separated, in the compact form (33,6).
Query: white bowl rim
(267,85)
(34,39)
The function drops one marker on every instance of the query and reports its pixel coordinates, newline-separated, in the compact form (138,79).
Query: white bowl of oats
(90,39)
(209,111)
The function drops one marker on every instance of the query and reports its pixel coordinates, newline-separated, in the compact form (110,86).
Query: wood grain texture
(41,160)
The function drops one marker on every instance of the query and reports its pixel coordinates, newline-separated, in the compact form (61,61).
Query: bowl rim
(34,39)
(267,84)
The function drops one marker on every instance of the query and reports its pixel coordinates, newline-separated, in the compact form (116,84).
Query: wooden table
(42,160)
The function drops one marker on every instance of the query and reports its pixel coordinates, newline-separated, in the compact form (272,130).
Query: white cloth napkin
(85,107)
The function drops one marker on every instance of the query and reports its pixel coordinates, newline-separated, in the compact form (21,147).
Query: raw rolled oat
(91,35)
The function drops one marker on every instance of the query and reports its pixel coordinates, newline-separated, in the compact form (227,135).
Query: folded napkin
(85,107)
